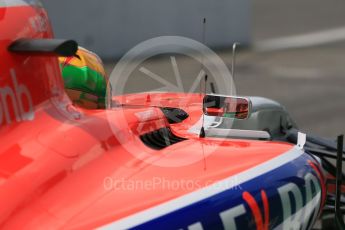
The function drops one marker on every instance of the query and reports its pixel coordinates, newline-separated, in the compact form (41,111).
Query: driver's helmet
(85,79)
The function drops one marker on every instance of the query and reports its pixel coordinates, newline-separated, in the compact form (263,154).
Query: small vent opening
(160,139)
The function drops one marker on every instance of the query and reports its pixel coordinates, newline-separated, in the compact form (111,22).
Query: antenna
(213,88)
(202,57)
(202,131)
(204,32)
(204,88)
(234,47)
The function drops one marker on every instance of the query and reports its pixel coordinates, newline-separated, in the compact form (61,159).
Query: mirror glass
(226,106)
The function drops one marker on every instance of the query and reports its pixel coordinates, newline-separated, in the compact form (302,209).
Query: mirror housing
(227,106)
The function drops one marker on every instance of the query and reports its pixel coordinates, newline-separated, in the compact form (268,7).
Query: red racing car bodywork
(64,167)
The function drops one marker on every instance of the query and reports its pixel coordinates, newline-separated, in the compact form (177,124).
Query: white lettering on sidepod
(11,100)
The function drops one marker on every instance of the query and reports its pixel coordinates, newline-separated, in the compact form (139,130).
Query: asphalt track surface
(276,18)
(310,82)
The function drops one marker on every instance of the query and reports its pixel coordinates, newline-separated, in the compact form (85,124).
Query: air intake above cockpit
(160,139)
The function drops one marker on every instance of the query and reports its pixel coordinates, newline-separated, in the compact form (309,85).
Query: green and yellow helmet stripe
(85,78)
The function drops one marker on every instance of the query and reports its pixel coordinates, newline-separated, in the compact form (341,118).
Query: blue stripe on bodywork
(206,212)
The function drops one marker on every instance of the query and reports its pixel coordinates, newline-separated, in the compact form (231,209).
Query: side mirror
(226,106)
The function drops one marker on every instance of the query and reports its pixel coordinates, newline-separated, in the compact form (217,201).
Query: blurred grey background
(295,49)
(112,27)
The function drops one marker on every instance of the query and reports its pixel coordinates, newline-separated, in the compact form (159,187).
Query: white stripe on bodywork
(303,40)
(194,197)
